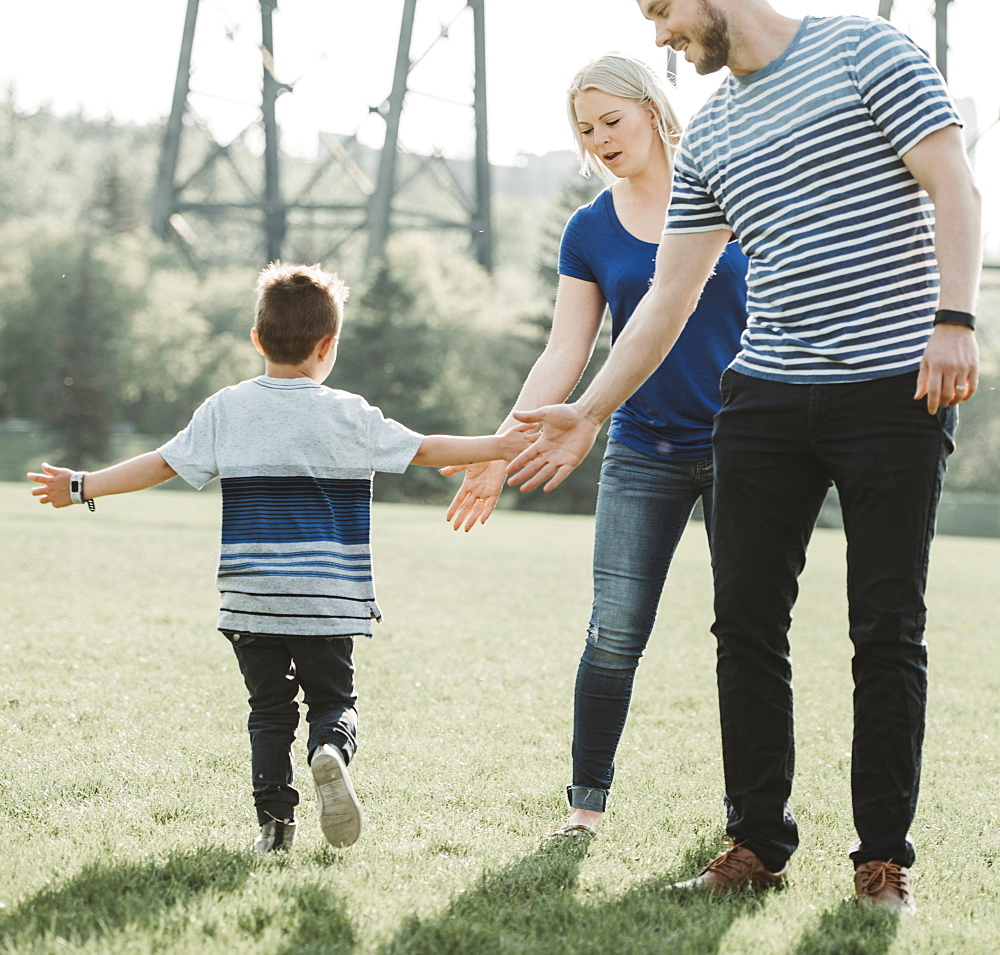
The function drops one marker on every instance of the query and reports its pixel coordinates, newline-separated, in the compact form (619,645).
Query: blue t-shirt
(671,413)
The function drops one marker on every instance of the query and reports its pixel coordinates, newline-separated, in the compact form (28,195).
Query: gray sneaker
(276,834)
(339,812)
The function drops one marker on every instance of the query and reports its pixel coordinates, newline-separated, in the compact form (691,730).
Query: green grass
(125,803)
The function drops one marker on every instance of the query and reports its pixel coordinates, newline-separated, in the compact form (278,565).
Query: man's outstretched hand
(566,439)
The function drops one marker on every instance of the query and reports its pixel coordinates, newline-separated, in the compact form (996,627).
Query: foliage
(90,296)
(60,343)
(578,493)
(125,773)
(426,343)
(190,339)
(973,467)
(54,166)
(93,334)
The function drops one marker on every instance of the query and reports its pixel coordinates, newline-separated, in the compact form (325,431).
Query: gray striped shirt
(801,160)
(296,461)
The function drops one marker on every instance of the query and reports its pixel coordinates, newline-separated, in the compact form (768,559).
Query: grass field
(126,813)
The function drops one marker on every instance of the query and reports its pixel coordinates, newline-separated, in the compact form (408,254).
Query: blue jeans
(274,668)
(778,447)
(643,506)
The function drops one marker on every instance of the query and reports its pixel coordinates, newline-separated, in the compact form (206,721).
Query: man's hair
(297,305)
(625,76)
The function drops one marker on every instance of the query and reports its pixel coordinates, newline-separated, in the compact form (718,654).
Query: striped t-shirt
(801,161)
(296,461)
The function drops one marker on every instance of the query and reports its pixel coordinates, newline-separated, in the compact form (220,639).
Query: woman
(658,461)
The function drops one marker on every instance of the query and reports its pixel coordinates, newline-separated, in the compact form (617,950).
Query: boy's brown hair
(297,305)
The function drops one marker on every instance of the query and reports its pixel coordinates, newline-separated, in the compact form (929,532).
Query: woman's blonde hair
(620,75)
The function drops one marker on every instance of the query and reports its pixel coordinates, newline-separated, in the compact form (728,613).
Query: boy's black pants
(274,668)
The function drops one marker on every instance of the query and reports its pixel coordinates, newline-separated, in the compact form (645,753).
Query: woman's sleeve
(573,250)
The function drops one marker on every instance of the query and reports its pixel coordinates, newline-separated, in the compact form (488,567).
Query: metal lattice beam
(244,193)
(388,186)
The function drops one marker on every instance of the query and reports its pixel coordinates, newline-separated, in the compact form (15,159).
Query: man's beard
(714,40)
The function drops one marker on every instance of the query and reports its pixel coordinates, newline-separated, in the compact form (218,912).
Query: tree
(60,343)
(412,345)
(578,493)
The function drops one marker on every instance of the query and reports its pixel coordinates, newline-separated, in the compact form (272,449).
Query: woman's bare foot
(581,822)
(585,817)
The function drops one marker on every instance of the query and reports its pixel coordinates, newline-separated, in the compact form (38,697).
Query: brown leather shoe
(733,870)
(884,885)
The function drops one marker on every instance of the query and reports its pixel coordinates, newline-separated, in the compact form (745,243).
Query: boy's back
(295,460)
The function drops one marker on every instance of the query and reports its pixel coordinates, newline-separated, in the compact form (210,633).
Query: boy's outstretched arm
(132,475)
(439,450)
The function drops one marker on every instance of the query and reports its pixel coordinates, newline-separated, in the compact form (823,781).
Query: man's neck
(758,39)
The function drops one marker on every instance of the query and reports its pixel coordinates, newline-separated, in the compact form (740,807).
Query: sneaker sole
(339,810)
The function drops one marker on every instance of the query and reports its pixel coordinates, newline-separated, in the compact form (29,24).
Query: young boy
(296,461)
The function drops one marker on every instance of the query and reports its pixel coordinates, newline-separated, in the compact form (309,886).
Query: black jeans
(274,668)
(778,447)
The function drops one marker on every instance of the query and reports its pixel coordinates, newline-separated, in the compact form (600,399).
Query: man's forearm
(654,327)
(684,263)
(939,163)
(958,245)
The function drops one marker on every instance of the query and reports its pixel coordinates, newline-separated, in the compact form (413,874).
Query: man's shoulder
(710,111)
(849,23)
(855,29)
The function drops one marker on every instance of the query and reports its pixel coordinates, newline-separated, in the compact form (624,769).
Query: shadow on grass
(850,930)
(104,898)
(319,924)
(532,906)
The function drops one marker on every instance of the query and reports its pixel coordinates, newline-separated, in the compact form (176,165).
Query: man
(829,151)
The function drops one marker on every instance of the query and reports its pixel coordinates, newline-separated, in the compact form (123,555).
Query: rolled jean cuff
(580,797)
(342,742)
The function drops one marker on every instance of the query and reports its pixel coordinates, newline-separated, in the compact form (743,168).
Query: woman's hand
(477,497)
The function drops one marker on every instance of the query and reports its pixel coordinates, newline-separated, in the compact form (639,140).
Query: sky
(118,58)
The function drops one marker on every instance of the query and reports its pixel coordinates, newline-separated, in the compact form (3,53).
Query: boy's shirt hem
(296,461)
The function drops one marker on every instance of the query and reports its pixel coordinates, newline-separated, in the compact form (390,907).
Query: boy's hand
(53,486)
(475,500)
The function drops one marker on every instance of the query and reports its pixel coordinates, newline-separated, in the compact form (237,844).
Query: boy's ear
(256,341)
(324,345)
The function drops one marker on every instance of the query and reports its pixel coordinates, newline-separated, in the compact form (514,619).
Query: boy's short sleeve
(191,452)
(391,445)
(904,92)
